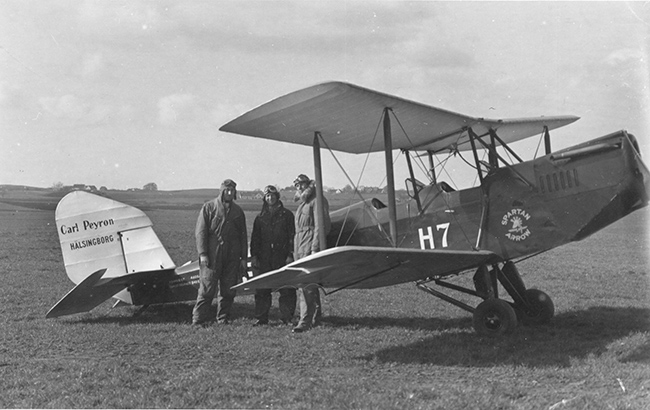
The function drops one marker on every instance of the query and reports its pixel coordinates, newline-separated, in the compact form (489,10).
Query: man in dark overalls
(222,244)
(272,248)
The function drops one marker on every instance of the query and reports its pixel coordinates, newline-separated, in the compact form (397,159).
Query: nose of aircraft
(643,175)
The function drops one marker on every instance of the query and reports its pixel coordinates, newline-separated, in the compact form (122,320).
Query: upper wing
(347,117)
(364,267)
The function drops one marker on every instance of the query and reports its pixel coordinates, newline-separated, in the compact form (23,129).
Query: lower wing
(361,267)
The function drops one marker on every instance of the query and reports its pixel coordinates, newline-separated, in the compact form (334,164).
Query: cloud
(294,27)
(71,107)
(117,19)
(67,106)
(7,94)
(443,57)
(171,107)
(624,56)
(92,64)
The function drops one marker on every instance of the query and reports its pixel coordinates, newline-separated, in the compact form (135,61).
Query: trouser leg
(207,290)
(287,302)
(318,311)
(227,279)
(307,302)
(262,304)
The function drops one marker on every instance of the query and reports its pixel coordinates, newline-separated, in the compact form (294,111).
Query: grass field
(395,347)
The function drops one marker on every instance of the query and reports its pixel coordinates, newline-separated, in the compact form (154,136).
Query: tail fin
(99,233)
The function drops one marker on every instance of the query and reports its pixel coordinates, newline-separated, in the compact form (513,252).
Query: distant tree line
(152,187)
(59,186)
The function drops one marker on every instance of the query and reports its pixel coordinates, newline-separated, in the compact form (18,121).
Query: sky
(124,93)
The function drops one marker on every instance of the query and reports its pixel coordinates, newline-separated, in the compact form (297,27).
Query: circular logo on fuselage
(517,219)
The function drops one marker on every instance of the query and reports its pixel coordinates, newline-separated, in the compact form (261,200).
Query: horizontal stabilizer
(361,267)
(85,296)
(94,290)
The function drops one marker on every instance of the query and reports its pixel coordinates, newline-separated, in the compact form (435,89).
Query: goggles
(270,189)
(302,178)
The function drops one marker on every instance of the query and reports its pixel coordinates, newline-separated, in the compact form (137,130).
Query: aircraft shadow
(571,335)
(180,313)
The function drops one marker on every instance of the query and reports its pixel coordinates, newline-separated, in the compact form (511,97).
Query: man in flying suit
(306,242)
(222,245)
(272,248)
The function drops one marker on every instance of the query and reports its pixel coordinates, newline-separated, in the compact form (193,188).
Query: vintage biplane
(520,209)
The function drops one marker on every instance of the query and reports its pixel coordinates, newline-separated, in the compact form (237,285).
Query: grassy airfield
(388,348)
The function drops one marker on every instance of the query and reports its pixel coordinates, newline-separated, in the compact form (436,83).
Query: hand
(255,263)
(242,266)
(203,260)
(289,259)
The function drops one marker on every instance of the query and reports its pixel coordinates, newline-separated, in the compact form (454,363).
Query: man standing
(306,242)
(222,244)
(272,248)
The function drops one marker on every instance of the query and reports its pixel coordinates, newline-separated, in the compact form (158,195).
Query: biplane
(520,208)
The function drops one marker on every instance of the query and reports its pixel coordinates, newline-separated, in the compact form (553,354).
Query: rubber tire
(494,317)
(542,305)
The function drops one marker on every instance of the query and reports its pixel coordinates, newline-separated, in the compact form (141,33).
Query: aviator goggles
(270,189)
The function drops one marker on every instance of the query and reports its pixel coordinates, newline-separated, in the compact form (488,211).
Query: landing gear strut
(540,308)
(533,306)
(494,316)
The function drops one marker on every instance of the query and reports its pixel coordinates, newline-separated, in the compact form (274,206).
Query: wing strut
(416,192)
(390,178)
(547,140)
(473,136)
(432,169)
(318,171)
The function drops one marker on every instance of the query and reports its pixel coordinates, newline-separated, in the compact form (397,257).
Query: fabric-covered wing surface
(347,117)
(361,267)
(94,290)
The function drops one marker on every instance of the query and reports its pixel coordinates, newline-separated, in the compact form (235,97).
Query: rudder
(100,233)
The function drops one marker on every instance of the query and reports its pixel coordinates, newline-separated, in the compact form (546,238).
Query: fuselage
(517,210)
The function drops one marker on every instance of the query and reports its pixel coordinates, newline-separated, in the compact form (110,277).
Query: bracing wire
(354,186)
(420,160)
(443,167)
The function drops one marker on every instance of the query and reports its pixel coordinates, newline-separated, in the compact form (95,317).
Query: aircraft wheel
(542,308)
(494,317)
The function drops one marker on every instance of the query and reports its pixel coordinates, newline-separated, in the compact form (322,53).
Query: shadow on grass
(613,331)
(180,313)
(571,335)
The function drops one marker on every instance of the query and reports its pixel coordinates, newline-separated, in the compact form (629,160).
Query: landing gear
(533,306)
(538,311)
(494,317)
(140,311)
